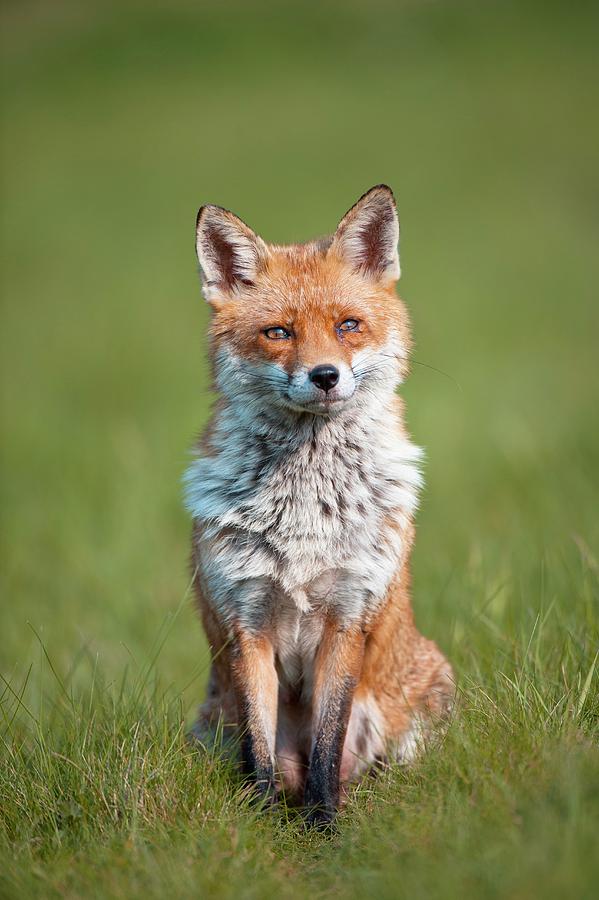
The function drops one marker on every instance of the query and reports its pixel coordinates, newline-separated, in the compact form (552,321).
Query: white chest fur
(309,517)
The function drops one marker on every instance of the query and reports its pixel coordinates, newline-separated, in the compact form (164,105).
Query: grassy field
(119,121)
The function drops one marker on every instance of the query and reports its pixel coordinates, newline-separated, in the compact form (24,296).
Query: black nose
(325,377)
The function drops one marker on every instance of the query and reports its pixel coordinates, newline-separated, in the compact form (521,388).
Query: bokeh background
(120,120)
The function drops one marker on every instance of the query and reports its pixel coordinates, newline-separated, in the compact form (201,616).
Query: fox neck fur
(316,511)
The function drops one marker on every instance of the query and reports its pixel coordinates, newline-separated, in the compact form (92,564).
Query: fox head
(310,328)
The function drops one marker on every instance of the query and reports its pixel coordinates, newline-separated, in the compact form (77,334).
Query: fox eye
(348,325)
(277,333)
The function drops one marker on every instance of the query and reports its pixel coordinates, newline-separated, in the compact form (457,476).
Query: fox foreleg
(256,690)
(337,672)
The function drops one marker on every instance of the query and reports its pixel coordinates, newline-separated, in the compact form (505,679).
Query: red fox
(303,494)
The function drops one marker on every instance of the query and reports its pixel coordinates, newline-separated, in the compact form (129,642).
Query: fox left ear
(367,236)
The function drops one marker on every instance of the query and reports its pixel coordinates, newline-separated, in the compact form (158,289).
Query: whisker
(367,370)
(416,362)
(263,378)
(441,372)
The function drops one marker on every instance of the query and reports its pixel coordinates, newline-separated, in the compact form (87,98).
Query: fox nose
(325,377)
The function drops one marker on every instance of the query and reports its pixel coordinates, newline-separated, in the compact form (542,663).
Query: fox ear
(367,236)
(228,251)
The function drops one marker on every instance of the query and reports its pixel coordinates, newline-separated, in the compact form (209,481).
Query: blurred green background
(120,119)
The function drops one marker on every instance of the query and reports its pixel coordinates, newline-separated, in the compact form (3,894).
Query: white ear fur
(228,251)
(368,235)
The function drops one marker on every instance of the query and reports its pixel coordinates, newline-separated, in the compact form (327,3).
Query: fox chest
(315,531)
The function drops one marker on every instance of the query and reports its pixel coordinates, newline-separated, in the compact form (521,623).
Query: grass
(119,121)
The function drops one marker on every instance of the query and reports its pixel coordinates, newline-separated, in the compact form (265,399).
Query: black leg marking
(258,767)
(321,795)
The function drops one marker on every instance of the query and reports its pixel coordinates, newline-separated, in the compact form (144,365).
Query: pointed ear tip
(382,190)
(207,209)
(203,211)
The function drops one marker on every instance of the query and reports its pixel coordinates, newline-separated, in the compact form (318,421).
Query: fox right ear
(228,251)
(367,236)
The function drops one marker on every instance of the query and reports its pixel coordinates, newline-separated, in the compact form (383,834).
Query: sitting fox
(303,496)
